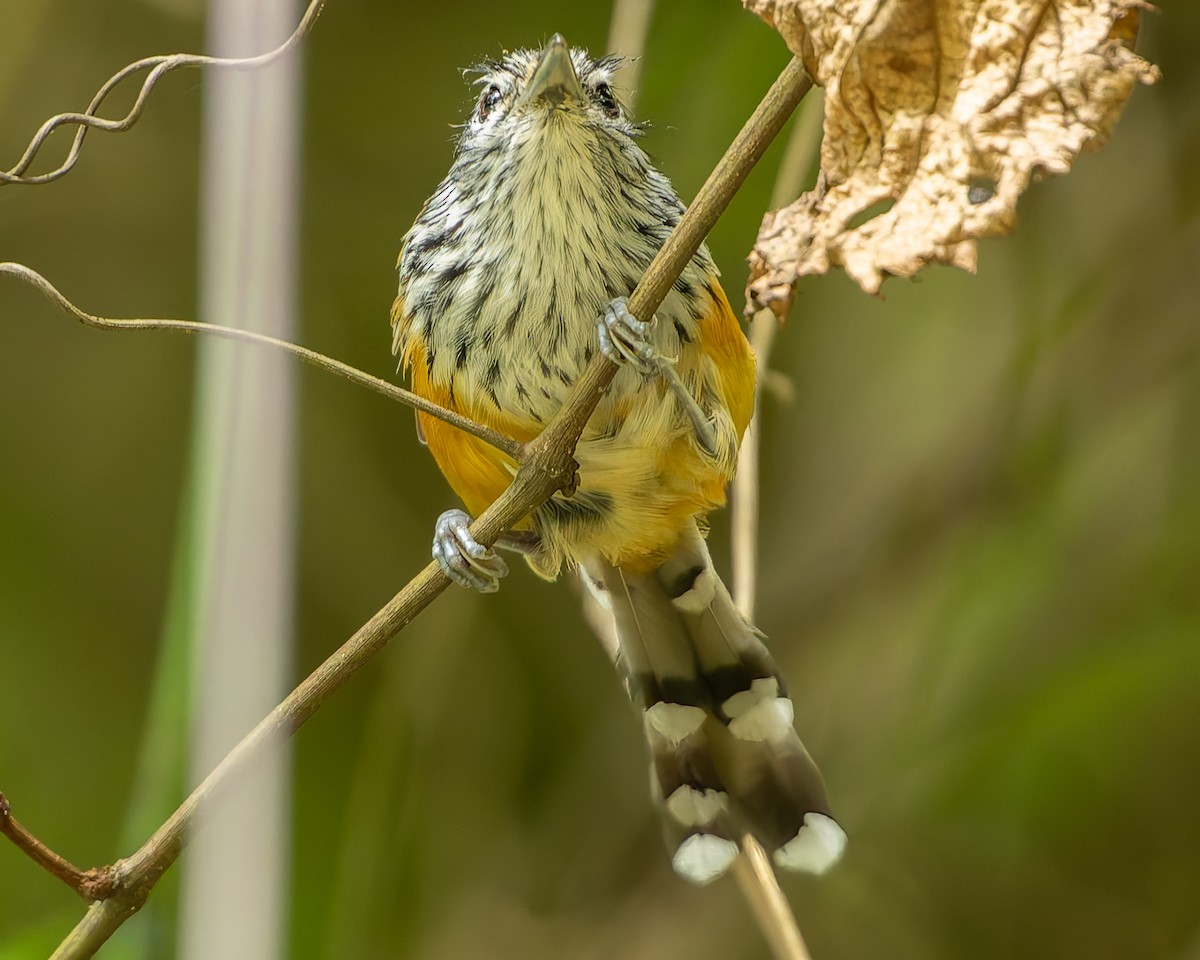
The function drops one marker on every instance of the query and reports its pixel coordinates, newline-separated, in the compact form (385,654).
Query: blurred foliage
(981,549)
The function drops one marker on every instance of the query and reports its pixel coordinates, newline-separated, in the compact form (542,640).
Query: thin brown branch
(89,884)
(498,440)
(761,890)
(548,467)
(158,66)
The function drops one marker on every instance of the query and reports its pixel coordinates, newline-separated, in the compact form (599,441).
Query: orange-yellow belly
(642,476)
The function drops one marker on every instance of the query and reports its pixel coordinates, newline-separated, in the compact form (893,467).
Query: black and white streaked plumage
(583,236)
(550,213)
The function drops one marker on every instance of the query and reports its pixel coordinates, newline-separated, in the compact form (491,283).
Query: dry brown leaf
(937,114)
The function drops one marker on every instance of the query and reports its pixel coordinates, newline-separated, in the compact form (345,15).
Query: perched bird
(512,277)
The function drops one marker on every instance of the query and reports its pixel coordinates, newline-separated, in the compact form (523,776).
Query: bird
(514,275)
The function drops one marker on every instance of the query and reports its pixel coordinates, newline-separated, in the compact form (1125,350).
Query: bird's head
(529,91)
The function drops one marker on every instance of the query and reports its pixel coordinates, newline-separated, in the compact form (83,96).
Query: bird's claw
(462,558)
(625,339)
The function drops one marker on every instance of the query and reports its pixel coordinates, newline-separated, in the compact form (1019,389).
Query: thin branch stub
(94,884)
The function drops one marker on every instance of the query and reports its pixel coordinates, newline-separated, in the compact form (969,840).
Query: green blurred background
(981,543)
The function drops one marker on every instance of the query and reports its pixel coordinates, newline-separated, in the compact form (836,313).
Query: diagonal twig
(498,440)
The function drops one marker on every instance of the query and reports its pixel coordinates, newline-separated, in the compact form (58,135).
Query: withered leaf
(937,115)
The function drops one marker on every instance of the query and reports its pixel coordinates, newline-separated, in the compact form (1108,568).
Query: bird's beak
(554,79)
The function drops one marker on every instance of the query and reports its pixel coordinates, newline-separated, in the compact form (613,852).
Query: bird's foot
(462,558)
(626,340)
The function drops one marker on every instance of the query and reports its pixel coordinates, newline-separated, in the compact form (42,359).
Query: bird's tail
(725,760)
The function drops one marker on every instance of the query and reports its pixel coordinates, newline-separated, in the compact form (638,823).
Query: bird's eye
(606,100)
(489,101)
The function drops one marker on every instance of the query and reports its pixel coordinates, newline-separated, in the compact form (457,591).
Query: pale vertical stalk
(755,876)
(795,168)
(235,883)
(752,869)
(627,32)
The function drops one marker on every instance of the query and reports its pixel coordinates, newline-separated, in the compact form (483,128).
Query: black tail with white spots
(725,760)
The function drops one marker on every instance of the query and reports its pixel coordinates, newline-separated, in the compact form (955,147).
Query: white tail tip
(816,848)
(694,808)
(703,857)
(672,722)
